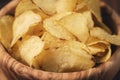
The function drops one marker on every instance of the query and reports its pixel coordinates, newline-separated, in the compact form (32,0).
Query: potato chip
(103,35)
(65,5)
(94,40)
(29,48)
(94,7)
(6,23)
(69,57)
(105,57)
(48,6)
(57,30)
(98,46)
(41,13)
(81,4)
(52,26)
(88,15)
(22,23)
(23,6)
(14,52)
(51,41)
(59,16)
(102,25)
(37,30)
(54,42)
(77,24)
(91,5)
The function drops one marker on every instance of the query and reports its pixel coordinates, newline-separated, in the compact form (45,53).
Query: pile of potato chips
(57,35)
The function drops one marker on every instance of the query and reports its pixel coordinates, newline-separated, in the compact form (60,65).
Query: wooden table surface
(115,3)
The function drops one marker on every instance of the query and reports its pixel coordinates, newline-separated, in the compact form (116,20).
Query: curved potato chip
(37,30)
(103,35)
(78,45)
(57,30)
(6,23)
(101,25)
(54,42)
(105,27)
(94,7)
(30,48)
(23,6)
(22,23)
(95,40)
(98,47)
(51,41)
(88,15)
(53,27)
(81,4)
(101,59)
(76,23)
(91,5)
(59,16)
(14,52)
(48,6)
(41,13)
(65,5)
(69,57)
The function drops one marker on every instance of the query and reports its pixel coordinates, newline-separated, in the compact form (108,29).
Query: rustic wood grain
(14,70)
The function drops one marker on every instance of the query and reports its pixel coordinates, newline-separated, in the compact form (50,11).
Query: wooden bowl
(15,70)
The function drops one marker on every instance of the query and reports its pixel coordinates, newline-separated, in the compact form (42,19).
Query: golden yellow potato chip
(6,23)
(65,5)
(29,48)
(59,16)
(77,24)
(105,56)
(52,26)
(102,25)
(80,4)
(54,42)
(88,16)
(57,30)
(69,57)
(41,13)
(94,7)
(51,41)
(94,40)
(99,48)
(14,52)
(22,23)
(48,6)
(103,35)
(25,5)
(37,30)
(91,5)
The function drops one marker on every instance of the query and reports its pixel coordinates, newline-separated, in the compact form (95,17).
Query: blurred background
(3,2)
